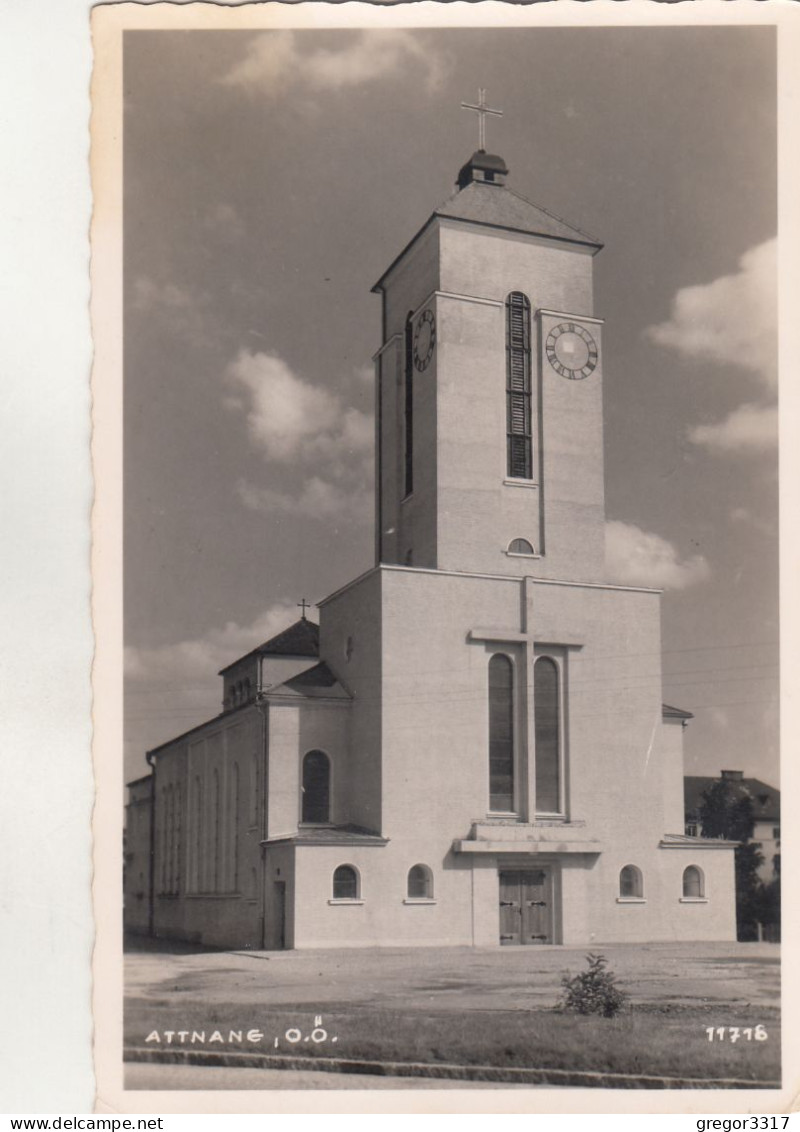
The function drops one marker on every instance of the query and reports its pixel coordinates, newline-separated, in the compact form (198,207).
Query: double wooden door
(526,906)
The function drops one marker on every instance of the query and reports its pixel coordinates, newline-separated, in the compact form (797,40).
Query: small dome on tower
(483,167)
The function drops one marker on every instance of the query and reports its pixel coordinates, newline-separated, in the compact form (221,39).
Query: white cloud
(639,558)
(327,444)
(290,418)
(315,499)
(273,61)
(202,657)
(182,311)
(149,295)
(752,428)
(731,320)
(282,411)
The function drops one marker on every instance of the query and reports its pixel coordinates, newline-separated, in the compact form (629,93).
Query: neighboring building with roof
(471,748)
(766,801)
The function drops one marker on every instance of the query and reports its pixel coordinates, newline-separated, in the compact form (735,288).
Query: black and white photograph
(447,552)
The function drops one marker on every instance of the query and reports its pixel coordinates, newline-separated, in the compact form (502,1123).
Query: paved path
(212,1077)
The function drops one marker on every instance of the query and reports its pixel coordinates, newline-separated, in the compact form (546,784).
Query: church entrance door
(526,906)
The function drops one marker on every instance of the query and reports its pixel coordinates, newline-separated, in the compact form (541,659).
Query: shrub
(593,991)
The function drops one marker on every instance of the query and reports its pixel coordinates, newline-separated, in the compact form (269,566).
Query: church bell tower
(489,390)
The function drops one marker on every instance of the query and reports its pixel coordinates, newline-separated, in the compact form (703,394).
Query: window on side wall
(630,883)
(346,884)
(420,883)
(693,883)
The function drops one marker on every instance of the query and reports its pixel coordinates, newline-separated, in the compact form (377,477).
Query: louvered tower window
(518,386)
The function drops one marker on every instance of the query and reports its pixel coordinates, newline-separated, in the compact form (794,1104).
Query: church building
(470,748)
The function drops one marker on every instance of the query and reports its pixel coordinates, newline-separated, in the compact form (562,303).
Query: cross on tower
(481,109)
(304,605)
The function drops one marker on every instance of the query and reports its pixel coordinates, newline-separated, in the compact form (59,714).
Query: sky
(271,177)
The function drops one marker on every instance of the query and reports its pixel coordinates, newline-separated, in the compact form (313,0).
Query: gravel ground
(452,978)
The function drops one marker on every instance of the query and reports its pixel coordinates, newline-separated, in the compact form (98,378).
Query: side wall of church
(294,730)
(208,816)
(350,644)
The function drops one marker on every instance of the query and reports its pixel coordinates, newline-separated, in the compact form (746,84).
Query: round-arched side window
(420,883)
(630,882)
(520,546)
(693,882)
(345,883)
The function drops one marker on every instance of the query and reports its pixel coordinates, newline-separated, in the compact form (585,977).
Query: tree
(728,813)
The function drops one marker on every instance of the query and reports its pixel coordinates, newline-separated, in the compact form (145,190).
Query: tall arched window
(408,410)
(345,883)
(630,883)
(316,805)
(547,711)
(501,734)
(420,883)
(693,883)
(519,415)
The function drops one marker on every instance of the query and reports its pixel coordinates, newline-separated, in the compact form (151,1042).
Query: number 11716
(737,1033)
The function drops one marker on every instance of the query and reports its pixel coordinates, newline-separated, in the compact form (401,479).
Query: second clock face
(424,339)
(571,350)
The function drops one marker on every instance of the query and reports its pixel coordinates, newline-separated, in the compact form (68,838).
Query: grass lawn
(669,1040)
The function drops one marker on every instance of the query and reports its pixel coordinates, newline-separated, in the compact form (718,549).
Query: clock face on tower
(571,350)
(424,339)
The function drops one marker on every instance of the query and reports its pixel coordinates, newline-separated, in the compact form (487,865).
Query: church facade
(471,747)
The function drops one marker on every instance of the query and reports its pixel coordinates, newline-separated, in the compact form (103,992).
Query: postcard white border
(108,24)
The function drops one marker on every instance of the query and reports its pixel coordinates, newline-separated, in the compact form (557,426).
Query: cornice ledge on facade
(491,827)
(284,699)
(531,845)
(505,835)
(329,836)
(684,841)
